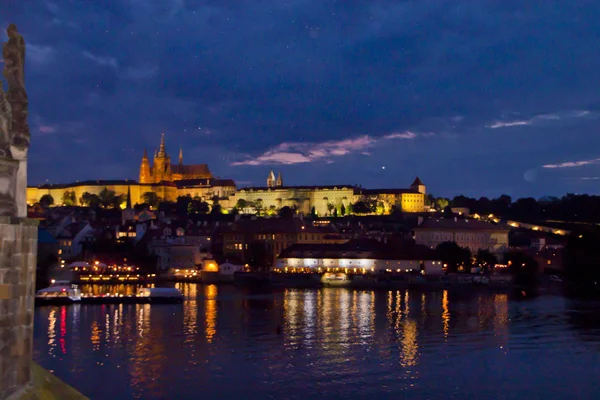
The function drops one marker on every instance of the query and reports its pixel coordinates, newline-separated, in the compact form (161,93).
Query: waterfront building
(473,234)
(358,256)
(269,237)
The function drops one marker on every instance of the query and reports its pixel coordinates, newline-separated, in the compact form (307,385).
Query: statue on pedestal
(14,129)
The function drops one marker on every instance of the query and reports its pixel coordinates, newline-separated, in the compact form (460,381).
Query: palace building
(324,199)
(170,181)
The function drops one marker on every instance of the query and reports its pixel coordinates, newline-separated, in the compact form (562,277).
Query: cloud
(39,54)
(507,124)
(297,153)
(47,129)
(573,164)
(104,61)
(402,135)
(541,118)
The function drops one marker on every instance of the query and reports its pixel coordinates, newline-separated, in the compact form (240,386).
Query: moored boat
(160,295)
(59,292)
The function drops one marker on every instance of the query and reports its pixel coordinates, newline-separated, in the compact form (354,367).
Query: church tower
(279,180)
(418,186)
(181,156)
(145,175)
(271,181)
(162,163)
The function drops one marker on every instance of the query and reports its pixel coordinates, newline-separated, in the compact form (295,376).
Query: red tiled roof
(196,169)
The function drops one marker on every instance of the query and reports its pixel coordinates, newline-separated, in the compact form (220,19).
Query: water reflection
(52,332)
(445,314)
(210,326)
(346,343)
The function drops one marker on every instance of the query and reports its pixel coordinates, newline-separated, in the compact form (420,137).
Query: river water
(227,342)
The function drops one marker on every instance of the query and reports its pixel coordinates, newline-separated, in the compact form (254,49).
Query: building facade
(354,257)
(472,234)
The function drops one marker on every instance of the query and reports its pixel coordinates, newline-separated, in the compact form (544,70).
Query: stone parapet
(18,258)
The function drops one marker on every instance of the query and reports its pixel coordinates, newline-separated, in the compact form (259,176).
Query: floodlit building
(473,234)
(361,257)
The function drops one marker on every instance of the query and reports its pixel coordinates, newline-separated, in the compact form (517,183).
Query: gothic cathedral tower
(145,174)
(161,167)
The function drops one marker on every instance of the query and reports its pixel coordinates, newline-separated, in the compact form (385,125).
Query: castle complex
(170,181)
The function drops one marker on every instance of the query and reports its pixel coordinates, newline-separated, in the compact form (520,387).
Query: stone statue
(13,53)
(5,125)
(15,120)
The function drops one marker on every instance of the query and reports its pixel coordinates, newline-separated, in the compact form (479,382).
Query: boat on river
(59,292)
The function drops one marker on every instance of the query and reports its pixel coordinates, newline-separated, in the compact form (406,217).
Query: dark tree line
(571,207)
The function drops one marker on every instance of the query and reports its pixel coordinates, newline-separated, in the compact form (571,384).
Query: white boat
(160,295)
(59,292)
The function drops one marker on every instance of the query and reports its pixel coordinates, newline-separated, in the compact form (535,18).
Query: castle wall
(18,259)
(303,198)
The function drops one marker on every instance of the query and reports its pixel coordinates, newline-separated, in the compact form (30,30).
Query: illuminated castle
(170,181)
(162,170)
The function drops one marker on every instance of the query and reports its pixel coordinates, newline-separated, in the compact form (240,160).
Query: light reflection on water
(225,341)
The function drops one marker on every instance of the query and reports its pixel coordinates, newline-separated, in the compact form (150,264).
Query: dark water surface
(227,342)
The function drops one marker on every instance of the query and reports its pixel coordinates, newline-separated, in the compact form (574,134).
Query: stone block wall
(18,259)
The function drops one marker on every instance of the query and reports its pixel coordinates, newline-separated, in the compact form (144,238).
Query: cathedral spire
(180,155)
(162,151)
(145,156)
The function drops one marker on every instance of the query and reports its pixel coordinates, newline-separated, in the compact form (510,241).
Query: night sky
(475,97)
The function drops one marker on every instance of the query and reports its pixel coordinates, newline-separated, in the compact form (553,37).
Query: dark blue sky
(476,97)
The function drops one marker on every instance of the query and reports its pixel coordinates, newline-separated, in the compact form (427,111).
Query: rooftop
(355,249)
(459,224)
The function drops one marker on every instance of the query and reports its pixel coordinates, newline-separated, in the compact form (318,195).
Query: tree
(501,206)
(343,210)
(151,199)
(258,206)
(68,198)
(256,256)
(286,212)
(87,198)
(582,258)
(396,210)
(335,213)
(198,207)
(241,204)
(118,201)
(453,256)
(107,198)
(485,260)
(360,207)
(441,203)
(182,204)
(216,209)
(330,208)
(522,267)
(46,200)
(313,212)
